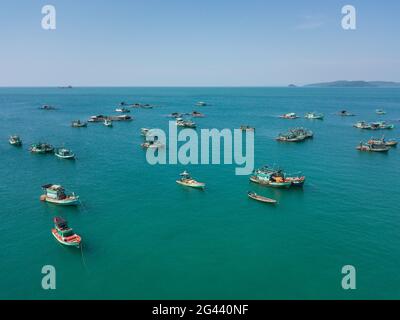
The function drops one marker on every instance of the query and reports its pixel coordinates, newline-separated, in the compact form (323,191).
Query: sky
(197,42)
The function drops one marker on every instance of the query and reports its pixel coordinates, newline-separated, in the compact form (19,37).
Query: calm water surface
(145,237)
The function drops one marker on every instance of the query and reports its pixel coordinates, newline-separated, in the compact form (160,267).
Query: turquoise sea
(146,237)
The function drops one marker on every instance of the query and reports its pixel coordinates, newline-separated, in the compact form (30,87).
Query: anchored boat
(314,116)
(188,181)
(180,122)
(345,113)
(56,194)
(15,141)
(372,147)
(290,115)
(247,128)
(201,104)
(41,147)
(63,153)
(295,135)
(383,141)
(257,197)
(152,144)
(123,110)
(196,114)
(78,124)
(64,234)
(380,111)
(276,178)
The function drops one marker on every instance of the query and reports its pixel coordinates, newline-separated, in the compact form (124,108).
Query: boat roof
(61,223)
(52,186)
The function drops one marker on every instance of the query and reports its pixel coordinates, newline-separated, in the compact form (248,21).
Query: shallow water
(145,237)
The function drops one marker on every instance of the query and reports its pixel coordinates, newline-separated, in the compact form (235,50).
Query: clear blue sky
(197,43)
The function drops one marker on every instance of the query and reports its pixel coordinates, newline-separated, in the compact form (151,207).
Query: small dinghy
(257,197)
(56,194)
(63,153)
(41,147)
(188,181)
(78,124)
(15,141)
(64,234)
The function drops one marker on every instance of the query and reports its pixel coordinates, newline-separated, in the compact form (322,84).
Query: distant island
(356,84)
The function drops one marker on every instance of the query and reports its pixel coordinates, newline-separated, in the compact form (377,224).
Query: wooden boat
(47,107)
(383,141)
(345,113)
(78,124)
(175,115)
(41,147)
(15,141)
(290,115)
(361,125)
(314,116)
(276,178)
(257,197)
(56,194)
(372,148)
(108,123)
(196,114)
(64,234)
(188,181)
(185,123)
(295,135)
(63,153)
(122,110)
(152,144)
(247,128)
(380,125)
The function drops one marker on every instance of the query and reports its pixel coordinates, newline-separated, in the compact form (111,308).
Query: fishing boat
(380,111)
(257,197)
(380,125)
(15,141)
(175,115)
(276,178)
(372,147)
(295,135)
(64,234)
(246,128)
(122,110)
(188,181)
(180,122)
(197,114)
(383,141)
(78,124)
(41,147)
(108,123)
(362,125)
(56,194)
(63,153)
(345,113)
(201,104)
(47,107)
(314,116)
(152,144)
(290,115)
(122,117)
